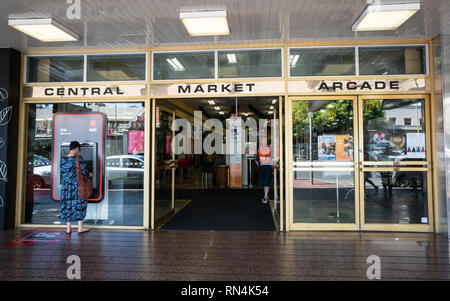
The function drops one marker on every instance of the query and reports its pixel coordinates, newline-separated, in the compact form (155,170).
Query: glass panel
(123,194)
(392,60)
(324,197)
(394,130)
(183,65)
(116,67)
(322,130)
(321,62)
(163,185)
(398,197)
(253,63)
(43,69)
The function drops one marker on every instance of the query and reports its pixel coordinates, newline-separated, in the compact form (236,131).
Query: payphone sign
(89,130)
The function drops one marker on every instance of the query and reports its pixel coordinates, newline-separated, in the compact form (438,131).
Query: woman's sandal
(84,231)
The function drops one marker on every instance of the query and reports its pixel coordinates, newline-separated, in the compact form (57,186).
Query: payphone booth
(89,130)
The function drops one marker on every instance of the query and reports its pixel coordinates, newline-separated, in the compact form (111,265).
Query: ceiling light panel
(385,17)
(45,30)
(206,23)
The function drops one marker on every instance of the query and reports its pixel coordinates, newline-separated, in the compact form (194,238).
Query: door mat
(38,238)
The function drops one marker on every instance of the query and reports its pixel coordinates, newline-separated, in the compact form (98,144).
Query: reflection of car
(42,172)
(125,170)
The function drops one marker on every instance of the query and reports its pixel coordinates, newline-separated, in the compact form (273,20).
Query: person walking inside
(264,163)
(73,208)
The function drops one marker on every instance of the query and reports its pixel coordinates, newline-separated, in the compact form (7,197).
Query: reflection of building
(406,118)
(119,119)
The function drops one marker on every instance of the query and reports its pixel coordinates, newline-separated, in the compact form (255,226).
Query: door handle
(173,163)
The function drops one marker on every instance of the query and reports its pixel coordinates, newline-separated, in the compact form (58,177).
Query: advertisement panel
(89,129)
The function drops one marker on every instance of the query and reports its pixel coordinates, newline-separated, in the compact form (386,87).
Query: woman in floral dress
(73,209)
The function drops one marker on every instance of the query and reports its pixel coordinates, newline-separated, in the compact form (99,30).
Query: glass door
(395,163)
(322,163)
(165,165)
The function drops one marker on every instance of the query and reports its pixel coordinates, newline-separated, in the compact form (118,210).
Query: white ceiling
(119,23)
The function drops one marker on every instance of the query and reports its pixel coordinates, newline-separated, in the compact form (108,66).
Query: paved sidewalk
(227,255)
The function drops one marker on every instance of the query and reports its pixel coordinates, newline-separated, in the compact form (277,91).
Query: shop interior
(200,191)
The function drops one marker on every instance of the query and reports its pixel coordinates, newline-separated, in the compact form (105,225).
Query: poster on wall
(415,145)
(135,142)
(326,147)
(397,147)
(344,147)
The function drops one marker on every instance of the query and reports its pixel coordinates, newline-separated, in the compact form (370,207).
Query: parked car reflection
(42,172)
(125,171)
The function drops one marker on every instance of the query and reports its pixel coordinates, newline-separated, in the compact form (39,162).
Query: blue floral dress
(72,207)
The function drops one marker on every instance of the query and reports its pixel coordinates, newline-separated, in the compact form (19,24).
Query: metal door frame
(359,167)
(424,166)
(347,166)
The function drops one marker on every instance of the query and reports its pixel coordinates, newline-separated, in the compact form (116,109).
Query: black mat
(222,209)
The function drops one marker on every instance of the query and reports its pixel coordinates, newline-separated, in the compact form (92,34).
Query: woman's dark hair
(74,145)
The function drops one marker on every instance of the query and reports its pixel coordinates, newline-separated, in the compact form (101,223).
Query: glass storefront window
(394,130)
(250,63)
(116,67)
(392,60)
(322,61)
(44,69)
(326,123)
(324,197)
(123,196)
(396,197)
(183,65)
(323,155)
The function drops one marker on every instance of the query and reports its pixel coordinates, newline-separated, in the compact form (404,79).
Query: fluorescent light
(271,107)
(175,63)
(217,108)
(231,58)
(221,113)
(294,59)
(270,112)
(274,101)
(385,17)
(45,30)
(211,102)
(206,23)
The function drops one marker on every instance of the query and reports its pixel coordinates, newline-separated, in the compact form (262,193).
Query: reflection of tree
(374,115)
(333,117)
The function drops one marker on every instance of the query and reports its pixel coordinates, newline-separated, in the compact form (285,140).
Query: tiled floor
(223,255)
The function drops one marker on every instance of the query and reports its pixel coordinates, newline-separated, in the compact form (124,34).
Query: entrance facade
(356,145)
(224,181)
(359,163)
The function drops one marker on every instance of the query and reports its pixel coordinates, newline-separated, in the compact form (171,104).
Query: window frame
(84,55)
(182,51)
(426,58)
(216,63)
(357,59)
(25,66)
(85,73)
(249,49)
(355,51)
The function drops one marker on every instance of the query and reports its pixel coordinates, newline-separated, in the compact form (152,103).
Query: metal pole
(337,199)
